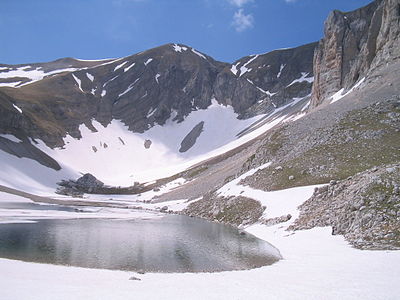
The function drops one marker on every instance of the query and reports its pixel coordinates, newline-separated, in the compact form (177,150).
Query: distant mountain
(145,89)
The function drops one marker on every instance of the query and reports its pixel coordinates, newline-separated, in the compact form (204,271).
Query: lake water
(168,244)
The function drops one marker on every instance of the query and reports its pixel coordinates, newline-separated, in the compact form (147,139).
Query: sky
(45,30)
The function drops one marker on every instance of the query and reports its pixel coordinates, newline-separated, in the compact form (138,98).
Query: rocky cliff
(354,43)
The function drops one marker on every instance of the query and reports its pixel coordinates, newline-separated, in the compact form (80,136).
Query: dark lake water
(167,244)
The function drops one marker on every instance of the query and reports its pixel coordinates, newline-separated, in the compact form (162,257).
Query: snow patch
(302,79)
(33,75)
(129,67)
(198,53)
(244,69)
(11,138)
(17,108)
(130,87)
(90,76)
(339,94)
(261,90)
(103,93)
(234,69)
(148,61)
(280,70)
(120,66)
(156,77)
(78,81)
(178,48)
(108,81)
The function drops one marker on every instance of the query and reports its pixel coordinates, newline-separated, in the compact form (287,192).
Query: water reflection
(168,244)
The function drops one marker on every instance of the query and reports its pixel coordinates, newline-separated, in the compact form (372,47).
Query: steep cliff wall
(354,44)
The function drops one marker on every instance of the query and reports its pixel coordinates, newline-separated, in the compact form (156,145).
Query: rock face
(85,184)
(89,181)
(354,43)
(146,89)
(364,208)
(280,75)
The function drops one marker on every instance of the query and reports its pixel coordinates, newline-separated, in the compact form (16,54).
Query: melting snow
(244,68)
(148,61)
(261,90)
(130,87)
(120,66)
(178,48)
(11,138)
(129,67)
(78,81)
(280,70)
(34,75)
(90,76)
(108,81)
(302,79)
(234,69)
(306,106)
(17,108)
(339,94)
(198,53)
(150,113)
(10,84)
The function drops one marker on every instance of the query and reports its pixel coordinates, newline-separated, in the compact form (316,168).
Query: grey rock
(147,144)
(191,138)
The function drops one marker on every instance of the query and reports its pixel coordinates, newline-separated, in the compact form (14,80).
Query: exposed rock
(277,220)
(353,44)
(173,81)
(191,138)
(230,210)
(147,144)
(135,278)
(85,184)
(89,181)
(363,208)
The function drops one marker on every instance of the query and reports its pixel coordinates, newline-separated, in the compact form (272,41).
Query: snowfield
(131,160)
(316,265)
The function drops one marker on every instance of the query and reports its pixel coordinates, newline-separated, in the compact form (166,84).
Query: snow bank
(30,73)
(316,265)
(339,94)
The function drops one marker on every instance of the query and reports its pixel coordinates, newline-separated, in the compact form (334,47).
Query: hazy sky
(44,30)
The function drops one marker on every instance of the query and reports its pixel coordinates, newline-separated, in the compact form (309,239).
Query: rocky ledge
(365,208)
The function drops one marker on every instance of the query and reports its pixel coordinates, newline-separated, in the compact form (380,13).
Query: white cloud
(241,21)
(240,3)
(290,1)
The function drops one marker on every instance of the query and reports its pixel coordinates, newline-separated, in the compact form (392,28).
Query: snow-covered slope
(119,157)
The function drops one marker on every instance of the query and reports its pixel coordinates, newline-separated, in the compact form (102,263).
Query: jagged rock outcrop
(280,75)
(364,208)
(85,184)
(354,43)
